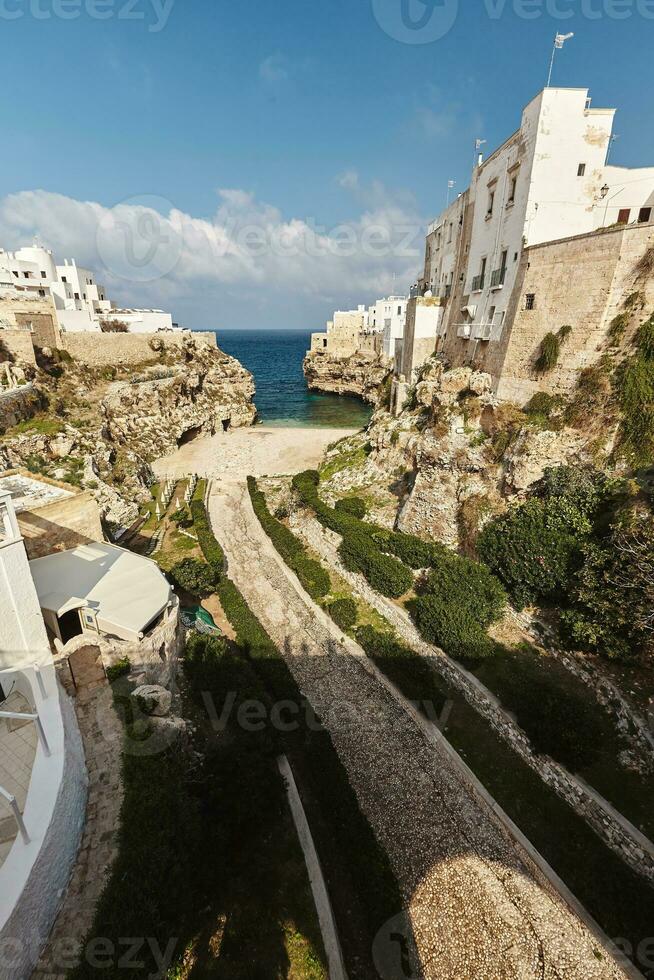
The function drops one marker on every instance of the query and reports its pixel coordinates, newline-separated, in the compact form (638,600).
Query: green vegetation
(310,572)
(349,456)
(121,668)
(194,576)
(461,599)
(343,612)
(42,425)
(355,506)
(550,348)
(210,548)
(635,391)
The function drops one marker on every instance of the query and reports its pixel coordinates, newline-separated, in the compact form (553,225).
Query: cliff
(104,425)
(361,374)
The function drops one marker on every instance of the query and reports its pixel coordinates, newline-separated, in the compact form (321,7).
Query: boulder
(153,699)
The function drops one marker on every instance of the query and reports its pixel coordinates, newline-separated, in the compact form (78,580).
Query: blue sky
(308,109)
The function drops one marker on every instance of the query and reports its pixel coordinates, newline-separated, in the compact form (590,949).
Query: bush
(194,576)
(384,573)
(313,577)
(532,549)
(182,517)
(343,612)
(412,551)
(121,668)
(352,505)
(550,349)
(635,387)
(210,548)
(457,631)
(467,585)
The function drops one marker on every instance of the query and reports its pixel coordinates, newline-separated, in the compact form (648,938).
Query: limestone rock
(361,374)
(534,451)
(153,699)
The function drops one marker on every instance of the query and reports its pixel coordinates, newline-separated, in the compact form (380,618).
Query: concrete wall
(61,525)
(101,350)
(423,317)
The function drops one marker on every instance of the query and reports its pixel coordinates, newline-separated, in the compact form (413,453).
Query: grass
(349,456)
(43,425)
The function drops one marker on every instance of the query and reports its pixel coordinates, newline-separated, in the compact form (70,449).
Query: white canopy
(126,591)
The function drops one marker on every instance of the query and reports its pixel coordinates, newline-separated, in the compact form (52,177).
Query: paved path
(478,906)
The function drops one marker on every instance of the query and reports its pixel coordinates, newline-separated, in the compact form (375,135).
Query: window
(483,268)
(530,301)
(503,260)
(644,214)
(491,202)
(581,170)
(43,274)
(449,232)
(26,274)
(76,295)
(623,216)
(514,184)
(63,279)
(399,311)
(41,292)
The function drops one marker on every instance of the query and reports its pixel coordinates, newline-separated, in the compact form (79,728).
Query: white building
(547,181)
(81,303)
(388,316)
(42,772)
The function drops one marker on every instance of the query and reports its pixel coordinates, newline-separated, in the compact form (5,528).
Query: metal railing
(498,277)
(483,331)
(463,330)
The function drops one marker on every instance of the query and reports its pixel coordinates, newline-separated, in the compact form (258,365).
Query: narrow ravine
(478,906)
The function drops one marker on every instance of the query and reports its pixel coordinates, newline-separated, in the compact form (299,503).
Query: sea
(282,398)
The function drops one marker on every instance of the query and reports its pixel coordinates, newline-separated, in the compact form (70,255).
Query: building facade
(81,303)
(548,182)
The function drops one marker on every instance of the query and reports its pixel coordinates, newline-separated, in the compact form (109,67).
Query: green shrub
(353,505)
(467,585)
(182,517)
(532,549)
(210,548)
(121,668)
(550,348)
(384,573)
(457,631)
(343,612)
(617,327)
(411,550)
(313,577)
(194,576)
(635,387)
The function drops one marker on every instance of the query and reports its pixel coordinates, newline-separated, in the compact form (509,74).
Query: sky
(259,164)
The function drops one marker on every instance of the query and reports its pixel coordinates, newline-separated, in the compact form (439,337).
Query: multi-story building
(81,303)
(548,182)
(388,316)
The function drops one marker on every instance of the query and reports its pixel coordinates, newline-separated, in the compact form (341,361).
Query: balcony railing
(498,277)
(463,330)
(478,283)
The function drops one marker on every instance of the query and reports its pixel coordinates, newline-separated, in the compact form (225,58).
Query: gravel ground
(477,905)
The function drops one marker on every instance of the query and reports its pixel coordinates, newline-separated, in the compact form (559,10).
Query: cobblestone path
(478,906)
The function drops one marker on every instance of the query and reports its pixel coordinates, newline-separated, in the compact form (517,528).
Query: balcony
(497,278)
(478,283)
(463,330)
(482,331)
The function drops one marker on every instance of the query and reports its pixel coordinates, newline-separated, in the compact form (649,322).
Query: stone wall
(61,525)
(17,343)
(581,282)
(34,314)
(104,349)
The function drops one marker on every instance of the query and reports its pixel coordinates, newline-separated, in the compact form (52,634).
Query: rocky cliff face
(361,374)
(452,459)
(103,427)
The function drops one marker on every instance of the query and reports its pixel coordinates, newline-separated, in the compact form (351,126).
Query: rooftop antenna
(559,41)
(450,185)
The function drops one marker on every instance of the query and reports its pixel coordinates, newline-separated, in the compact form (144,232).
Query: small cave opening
(189,435)
(227,424)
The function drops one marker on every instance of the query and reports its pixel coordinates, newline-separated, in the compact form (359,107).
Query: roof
(29,493)
(124,589)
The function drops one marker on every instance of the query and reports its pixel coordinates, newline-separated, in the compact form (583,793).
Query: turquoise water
(275,359)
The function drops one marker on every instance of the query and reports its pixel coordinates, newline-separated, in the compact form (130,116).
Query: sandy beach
(259,451)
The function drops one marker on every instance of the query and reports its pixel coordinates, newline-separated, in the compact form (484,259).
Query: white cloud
(149,252)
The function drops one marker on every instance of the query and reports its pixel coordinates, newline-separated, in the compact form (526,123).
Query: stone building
(497,255)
